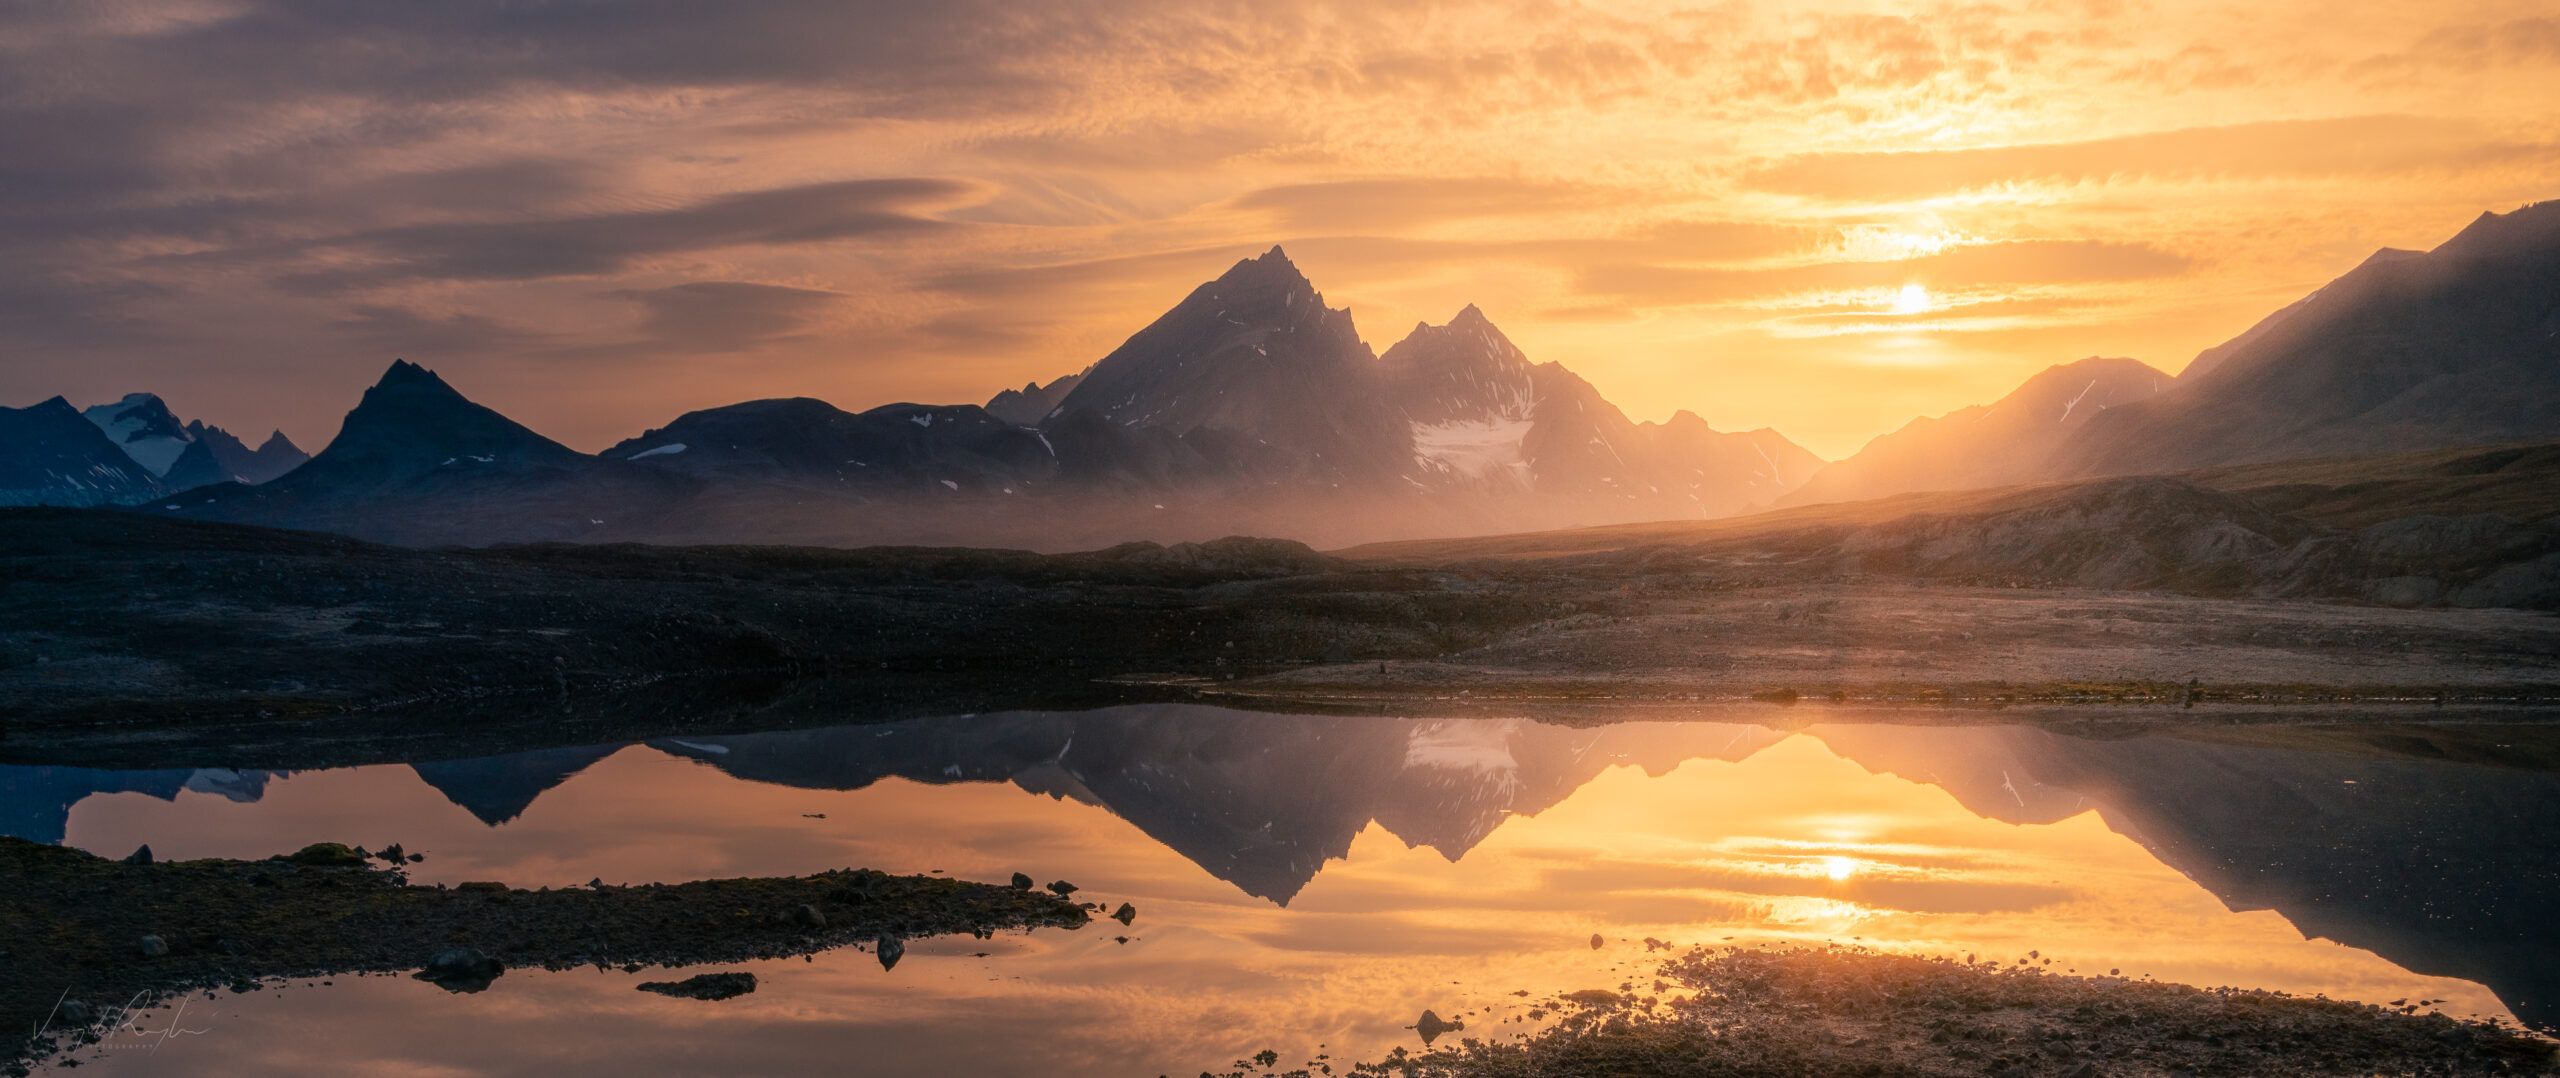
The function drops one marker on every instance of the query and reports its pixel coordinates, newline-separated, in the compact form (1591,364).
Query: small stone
(154,947)
(1596,941)
(1062,887)
(141,856)
(325,855)
(461,969)
(74,1012)
(705,986)
(1021,882)
(809,915)
(1125,914)
(1431,1026)
(891,949)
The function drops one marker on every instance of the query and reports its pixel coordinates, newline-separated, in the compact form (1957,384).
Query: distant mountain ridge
(1250,405)
(2011,440)
(2409,350)
(2459,345)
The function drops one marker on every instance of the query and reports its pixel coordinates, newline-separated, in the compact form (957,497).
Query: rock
(705,986)
(809,915)
(1062,887)
(1125,914)
(74,1012)
(1021,882)
(393,854)
(891,949)
(461,969)
(2085,1069)
(154,947)
(141,856)
(1596,941)
(1431,1026)
(325,855)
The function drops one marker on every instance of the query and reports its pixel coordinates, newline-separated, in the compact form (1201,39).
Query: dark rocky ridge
(50,455)
(2459,345)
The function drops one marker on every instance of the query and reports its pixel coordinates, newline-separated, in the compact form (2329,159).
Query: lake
(1311,884)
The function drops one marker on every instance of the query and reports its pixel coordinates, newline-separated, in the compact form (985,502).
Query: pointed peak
(1686,418)
(277,440)
(403,373)
(1470,314)
(1275,254)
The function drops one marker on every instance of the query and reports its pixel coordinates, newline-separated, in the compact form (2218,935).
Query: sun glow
(1913,299)
(1838,868)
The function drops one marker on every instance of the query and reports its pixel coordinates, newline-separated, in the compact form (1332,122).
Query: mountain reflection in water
(2423,845)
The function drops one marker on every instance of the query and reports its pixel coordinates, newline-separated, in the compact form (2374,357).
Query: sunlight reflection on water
(1300,883)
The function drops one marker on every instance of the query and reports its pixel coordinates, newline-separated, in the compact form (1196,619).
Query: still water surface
(1311,884)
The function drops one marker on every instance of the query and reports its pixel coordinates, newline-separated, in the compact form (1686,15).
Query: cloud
(725,316)
(1391,204)
(401,331)
(2026,262)
(2363,145)
(606,243)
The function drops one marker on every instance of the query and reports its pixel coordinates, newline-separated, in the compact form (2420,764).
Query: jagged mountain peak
(1253,360)
(404,375)
(412,423)
(1464,372)
(142,426)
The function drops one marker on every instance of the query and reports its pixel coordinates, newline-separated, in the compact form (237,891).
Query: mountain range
(1250,396)
(1252,406)
(131,450)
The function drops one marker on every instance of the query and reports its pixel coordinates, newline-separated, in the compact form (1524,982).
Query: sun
(1838,868)
(1913,299)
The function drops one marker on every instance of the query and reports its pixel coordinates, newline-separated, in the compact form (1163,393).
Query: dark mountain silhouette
(496,789)
(1027,406)
(928,449)
(2011,440)
(213,456)
(417,462)
(2456,346)
(49,455)
(1257,358)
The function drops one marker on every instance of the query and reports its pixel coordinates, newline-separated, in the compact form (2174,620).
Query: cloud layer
(599,215)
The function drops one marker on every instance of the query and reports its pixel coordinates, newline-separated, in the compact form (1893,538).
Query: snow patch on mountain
(1489,449)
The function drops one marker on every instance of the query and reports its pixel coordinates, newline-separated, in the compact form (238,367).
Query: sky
(1823,218)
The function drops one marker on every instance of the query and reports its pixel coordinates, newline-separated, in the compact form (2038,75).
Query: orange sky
(594,220)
